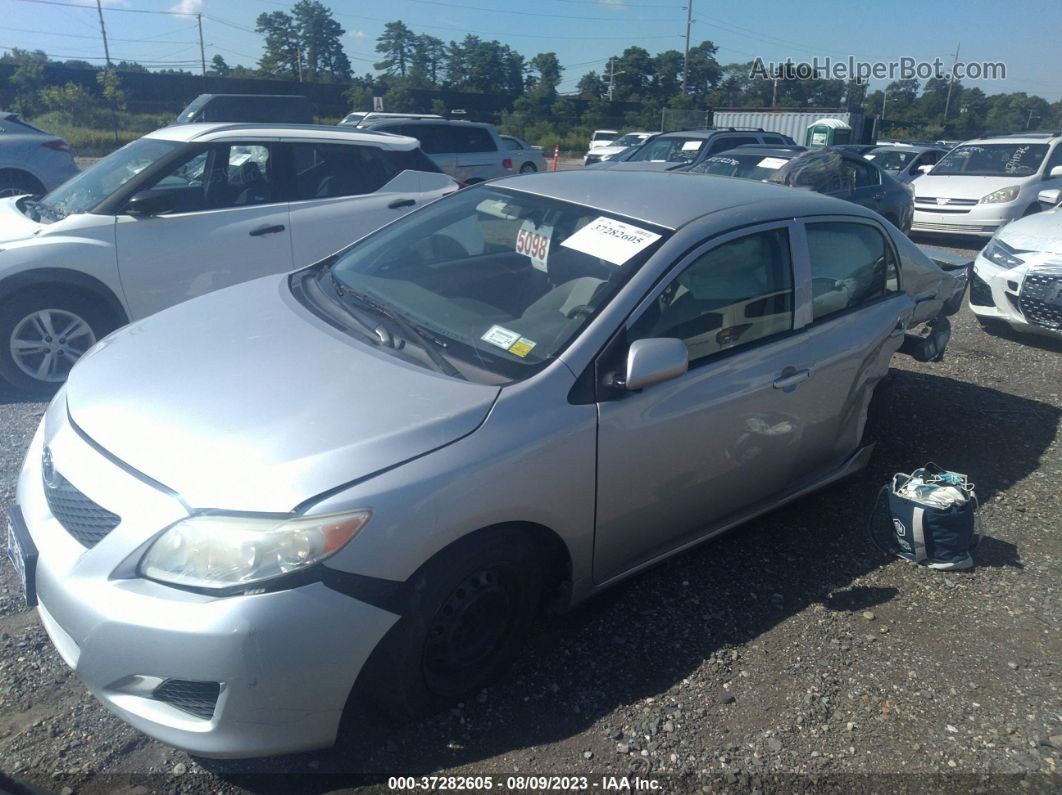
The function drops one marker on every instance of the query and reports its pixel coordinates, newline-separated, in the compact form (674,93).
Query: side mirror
(925,169)
(1050,197)
(1056,171)
(151,202)
(652,361)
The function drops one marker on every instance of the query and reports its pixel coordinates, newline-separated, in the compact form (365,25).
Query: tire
(469,609)
(18,183)
(34,360)
(528,168)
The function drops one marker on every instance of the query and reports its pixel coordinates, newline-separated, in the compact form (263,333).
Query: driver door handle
(401,203)
(266,230)
(791,378)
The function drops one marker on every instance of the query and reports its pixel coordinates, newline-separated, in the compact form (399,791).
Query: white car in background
(527,159)
(1017,278)
(184,211)
(599,153)
(981,185)
(31,160)
(601,138)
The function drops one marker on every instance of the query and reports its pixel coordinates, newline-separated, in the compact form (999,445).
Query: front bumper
(280,665)
(981,220)
(997,293)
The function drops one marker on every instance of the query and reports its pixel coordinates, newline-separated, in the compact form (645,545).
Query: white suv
(981,185)
(181,212)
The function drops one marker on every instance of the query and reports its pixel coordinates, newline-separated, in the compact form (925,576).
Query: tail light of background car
(58,146)
(507,163)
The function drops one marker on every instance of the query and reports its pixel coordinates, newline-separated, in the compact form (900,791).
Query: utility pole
(947,101)
(774,91)
(612,76)
(686,58)
(103,30)
(884,99)
(202,53)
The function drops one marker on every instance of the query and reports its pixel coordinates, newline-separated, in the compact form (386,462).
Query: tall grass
(92,134)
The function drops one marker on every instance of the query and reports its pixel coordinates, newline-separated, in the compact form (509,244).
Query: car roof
(1017,138)
(223,130)
(766,150)
(906,148)
(673,199)
(370,123)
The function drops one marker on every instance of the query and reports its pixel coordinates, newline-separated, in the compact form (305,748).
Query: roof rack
(742,129)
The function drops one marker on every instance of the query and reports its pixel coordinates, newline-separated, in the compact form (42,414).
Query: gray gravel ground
(787,656)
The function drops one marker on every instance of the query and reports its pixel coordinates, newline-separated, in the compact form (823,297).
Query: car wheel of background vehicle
(470,607)
(43,333)
(18,183)
(528,168)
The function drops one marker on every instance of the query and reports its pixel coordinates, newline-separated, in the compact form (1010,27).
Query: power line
(94,38)
(111,8)
(535,14)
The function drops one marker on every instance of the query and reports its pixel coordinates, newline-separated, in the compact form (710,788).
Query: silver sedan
(370,473)
(31,160)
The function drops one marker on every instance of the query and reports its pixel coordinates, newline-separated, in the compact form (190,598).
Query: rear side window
(860,174)
(774,139)
(851,265)
(434,138)
(324,171)
(473,139)
(724,142)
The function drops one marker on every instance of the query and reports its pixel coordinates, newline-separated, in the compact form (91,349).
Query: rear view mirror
(1055,172)
(1050,197)
(652,361)
(151,202)
(925,169)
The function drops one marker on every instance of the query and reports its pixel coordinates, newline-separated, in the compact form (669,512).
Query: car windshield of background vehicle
(84,191)
(677,149)
(992,160)
(628,140)
(891,161)
(764,168)
(502,279)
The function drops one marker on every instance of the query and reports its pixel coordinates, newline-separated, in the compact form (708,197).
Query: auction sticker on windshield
(533,242)
(772,162)
(501,337)
(612,241)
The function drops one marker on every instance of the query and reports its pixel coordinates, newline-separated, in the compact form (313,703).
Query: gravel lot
(786,656)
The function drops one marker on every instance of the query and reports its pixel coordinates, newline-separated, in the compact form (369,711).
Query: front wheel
(43,334)
(469,610)
(19,183)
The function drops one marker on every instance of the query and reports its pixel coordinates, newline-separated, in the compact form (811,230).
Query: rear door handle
(791,378)
(267,230)
(401,203)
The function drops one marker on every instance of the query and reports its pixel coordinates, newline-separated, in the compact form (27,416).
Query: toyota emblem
(942,201)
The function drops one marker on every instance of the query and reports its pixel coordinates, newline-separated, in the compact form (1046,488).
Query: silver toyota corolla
(371,472)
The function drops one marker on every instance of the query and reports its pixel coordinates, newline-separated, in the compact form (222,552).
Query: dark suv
(265,108)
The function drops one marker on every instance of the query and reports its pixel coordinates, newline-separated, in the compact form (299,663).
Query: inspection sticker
(521,347)
(691,146)
(501,337)
(772,162)
(533,242)
(612,241)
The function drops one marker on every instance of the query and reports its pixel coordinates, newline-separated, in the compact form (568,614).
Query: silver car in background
(31,161)
(370,473)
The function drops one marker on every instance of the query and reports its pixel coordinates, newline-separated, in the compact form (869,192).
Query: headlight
(999,253)
(1002,195)
(224,551)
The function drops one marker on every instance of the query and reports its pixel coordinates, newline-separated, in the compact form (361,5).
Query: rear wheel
(18,183)
(471,606)
(43,334)
(528,168)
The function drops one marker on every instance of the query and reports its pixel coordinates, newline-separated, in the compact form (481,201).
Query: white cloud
(357,35)
(615,5)
(188,6)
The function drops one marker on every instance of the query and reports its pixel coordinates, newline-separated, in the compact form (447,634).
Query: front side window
(324,171)
(670,149)
(992,160)
(1055,161)
(220,176)
(747,166)
(891,160)
(84,191)
(502,279)
(737,293)
(724,142)
(851,265)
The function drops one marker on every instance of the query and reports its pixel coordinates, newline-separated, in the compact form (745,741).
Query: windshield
(629,139)
(501,280)
(891,160)
(84,191)
(746,166)
(353,118)
(604,135)
(992,160)
(670,149)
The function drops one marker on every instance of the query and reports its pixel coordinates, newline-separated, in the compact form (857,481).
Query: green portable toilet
(828,132)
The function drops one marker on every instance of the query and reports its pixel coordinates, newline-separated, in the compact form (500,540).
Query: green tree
(548,74)
(320,38)
(218,67)
(283,53)
(429,59)
(591,86)
(397,44)
(111,84)
(27,81)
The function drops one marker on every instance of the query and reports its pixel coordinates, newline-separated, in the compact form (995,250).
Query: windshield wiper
(413,332)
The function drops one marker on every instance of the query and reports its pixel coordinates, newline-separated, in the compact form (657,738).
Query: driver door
(229,224)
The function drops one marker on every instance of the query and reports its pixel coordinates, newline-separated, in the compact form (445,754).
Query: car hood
(13,224)
(960,187)
(1037,232)
(642,165)
(244,400)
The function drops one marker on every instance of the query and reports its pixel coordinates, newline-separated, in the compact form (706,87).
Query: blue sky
(583,33)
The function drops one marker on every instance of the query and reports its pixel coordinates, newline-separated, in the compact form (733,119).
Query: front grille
(1041,300)
(195,698)
(931,227)
(953,202)
(81,517)
(980,292)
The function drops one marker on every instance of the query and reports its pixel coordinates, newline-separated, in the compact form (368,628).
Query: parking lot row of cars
(415,413)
